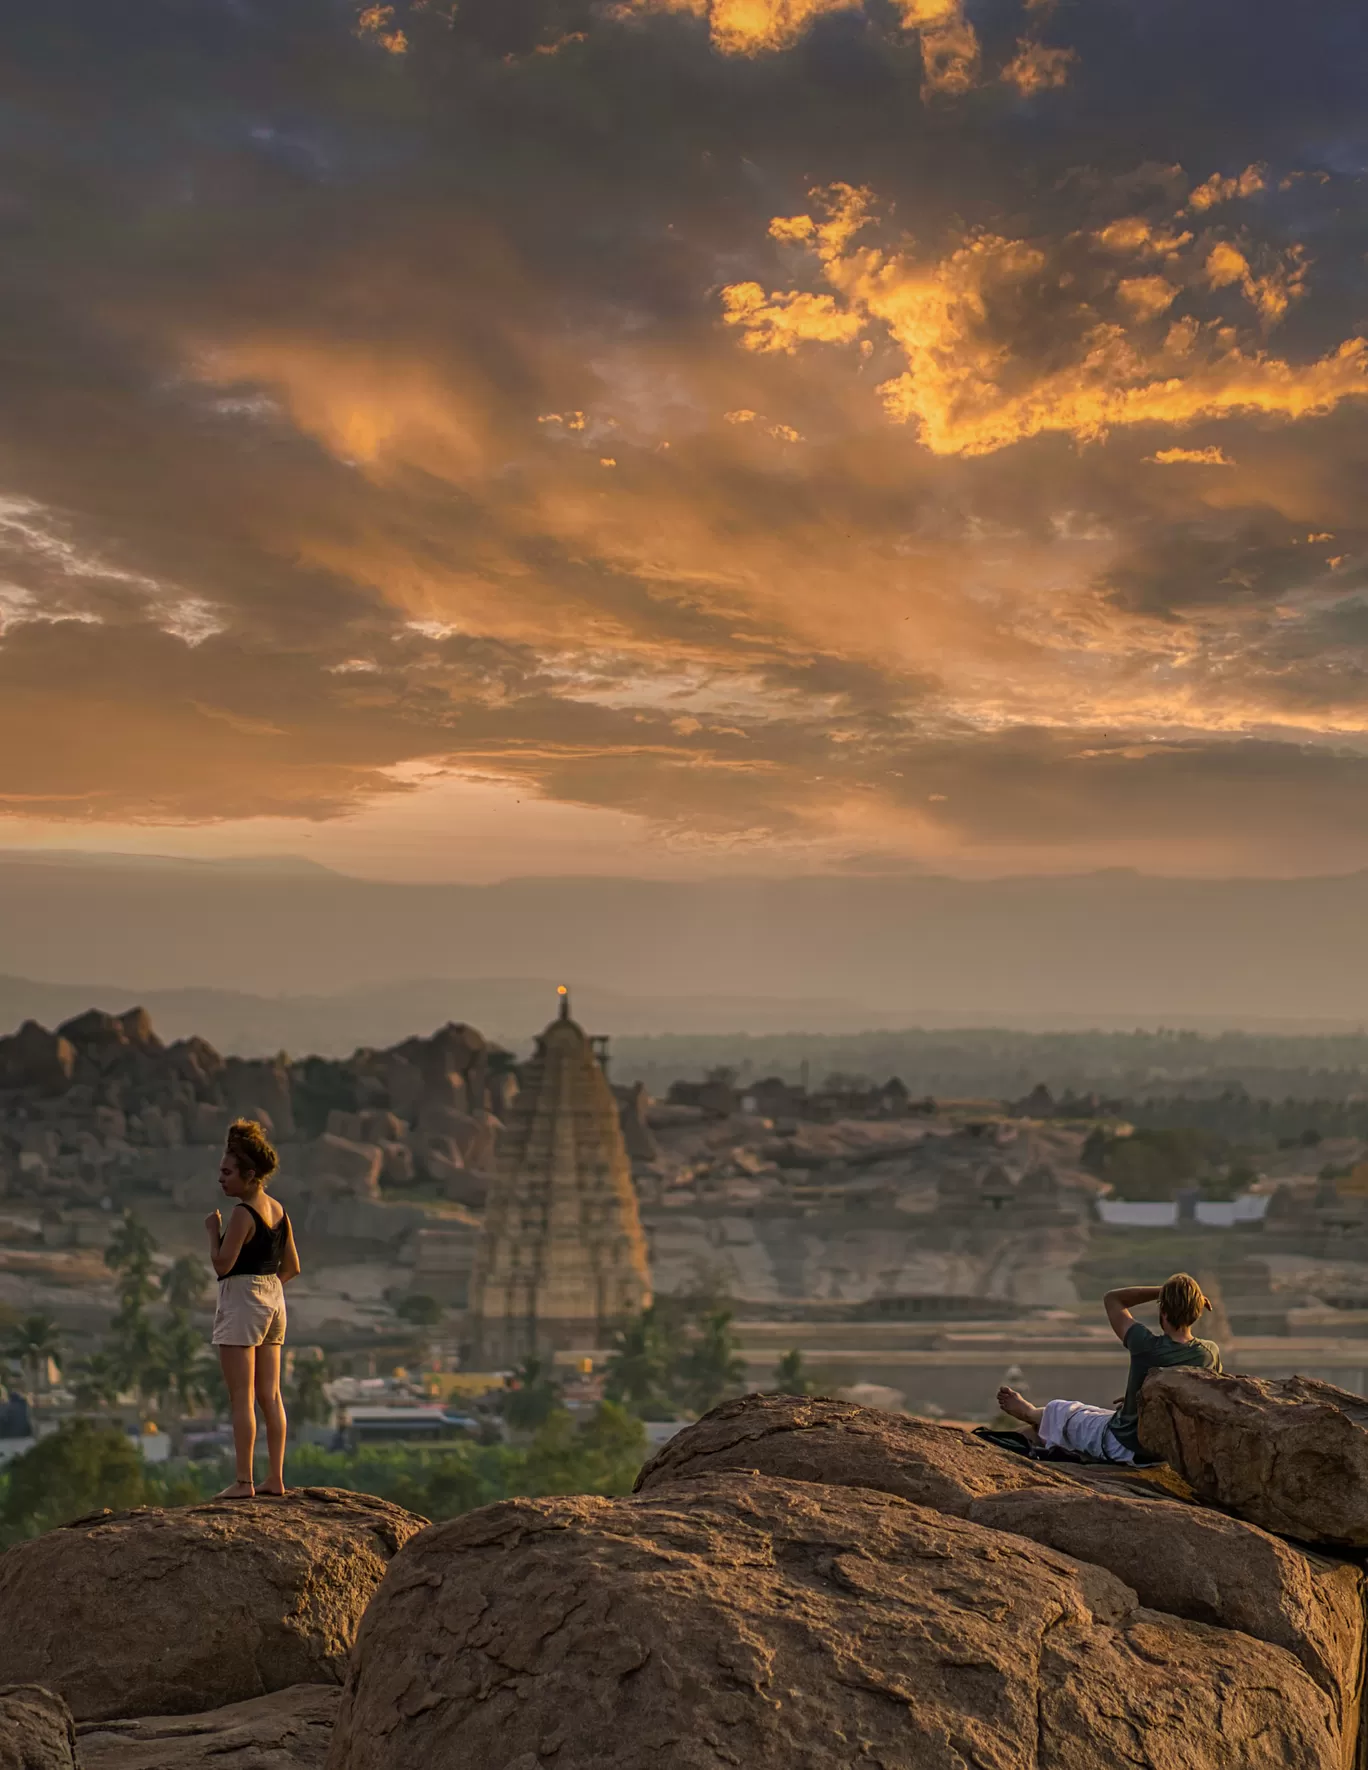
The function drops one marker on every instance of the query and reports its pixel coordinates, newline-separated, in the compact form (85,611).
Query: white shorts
(251,1311)
(1077,1426)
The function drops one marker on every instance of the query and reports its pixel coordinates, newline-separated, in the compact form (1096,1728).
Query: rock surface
(1212,1569)
(844,1445)
(288,1730)
(1291,1456)
(767,1624)
(157,1612)
(35,1730)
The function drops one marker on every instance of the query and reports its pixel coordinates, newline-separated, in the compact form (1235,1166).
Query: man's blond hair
(1181,1302)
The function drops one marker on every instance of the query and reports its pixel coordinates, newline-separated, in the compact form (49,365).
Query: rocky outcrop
(36,1731)
(1178,1558)
(845,1445)
(289,1730)
(157,1612)
(1209,1568)
(747,1620)
(1291,1456)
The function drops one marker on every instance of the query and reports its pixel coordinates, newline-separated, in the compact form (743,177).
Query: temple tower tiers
(563,1257)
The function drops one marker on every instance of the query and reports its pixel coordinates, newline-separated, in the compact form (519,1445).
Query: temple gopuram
(563,1258)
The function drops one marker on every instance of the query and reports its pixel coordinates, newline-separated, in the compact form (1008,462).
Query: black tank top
(263,1250)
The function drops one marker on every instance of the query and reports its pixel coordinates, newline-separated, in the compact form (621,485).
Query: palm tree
(184,1283)
(309,1402)
(175,1373)
(32,1343)
(97,1381)
(132,1338)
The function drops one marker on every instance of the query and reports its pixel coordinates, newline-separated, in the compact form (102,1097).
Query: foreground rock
(1212,1569)
(289,1730)
(1290,1455)
(779,1625)
(844,1445)
(35,1730)
(172,1612)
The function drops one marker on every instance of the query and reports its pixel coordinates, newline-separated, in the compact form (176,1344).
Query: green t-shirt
(1155,1352)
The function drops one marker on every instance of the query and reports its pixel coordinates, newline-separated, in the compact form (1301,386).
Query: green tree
(132,1337)
(640,1366)
(309,1402)
(712,1368)
(79,1468)
(420,1309)
(601,1455)
(176,1373)
(791,1374)
(534,1397)
(31,1343)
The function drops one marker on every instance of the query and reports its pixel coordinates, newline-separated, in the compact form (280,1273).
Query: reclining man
(1098,1432)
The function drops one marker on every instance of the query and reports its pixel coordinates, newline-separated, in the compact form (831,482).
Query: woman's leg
(273,1411)
(238,1365)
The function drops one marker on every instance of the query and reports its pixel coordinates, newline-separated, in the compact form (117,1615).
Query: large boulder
(38,1059)
(1289,1455)
(339,1168)
(1212,1569)
(155,1612)
(36,1731)
(844,1445)
(288,1730)
(777,1625)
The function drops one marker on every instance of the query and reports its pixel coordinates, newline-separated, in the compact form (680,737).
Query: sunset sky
(687,437)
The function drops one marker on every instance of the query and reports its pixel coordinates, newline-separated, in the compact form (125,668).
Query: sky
(687,437)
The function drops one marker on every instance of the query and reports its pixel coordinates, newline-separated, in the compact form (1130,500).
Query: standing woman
(254,1258)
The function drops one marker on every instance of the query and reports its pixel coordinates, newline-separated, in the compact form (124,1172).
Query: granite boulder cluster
(102,1099)
(795,1584)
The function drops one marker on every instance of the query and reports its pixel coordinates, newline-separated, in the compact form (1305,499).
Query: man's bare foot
(240,1490)
(1015,1404)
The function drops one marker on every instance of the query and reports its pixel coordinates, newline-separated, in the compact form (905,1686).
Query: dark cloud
(369,410)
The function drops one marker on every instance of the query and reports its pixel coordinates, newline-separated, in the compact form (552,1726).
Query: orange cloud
(1146,296)
(1038,68)
(377,23)
(1272,294)
(969,392)
(1222,190)
(1211,457)
(949,43)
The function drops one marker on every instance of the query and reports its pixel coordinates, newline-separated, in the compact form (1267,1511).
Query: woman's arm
(1118,1305)
(225,1248)
(289,1265)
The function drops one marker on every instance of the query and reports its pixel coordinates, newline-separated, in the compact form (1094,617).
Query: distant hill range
(256,955)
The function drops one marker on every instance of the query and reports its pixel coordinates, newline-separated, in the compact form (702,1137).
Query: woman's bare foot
(1015,1404)
(270,1493)
(240,1490)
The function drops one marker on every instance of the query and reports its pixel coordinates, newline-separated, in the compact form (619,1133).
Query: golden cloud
(1038,68)
(969,390)
(377,23)
(1146,297)
(1211,457)
(1222,190)
(949,43)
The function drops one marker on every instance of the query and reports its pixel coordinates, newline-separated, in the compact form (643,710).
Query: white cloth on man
(1074,1425)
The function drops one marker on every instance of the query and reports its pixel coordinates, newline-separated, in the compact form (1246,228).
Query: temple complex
(563,1257)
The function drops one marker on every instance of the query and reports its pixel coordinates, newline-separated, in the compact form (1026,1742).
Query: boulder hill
(794,1585)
